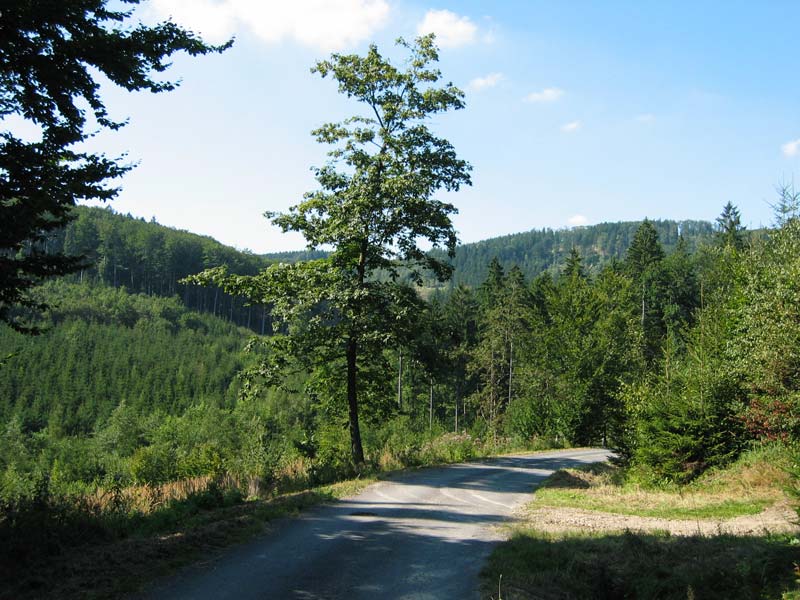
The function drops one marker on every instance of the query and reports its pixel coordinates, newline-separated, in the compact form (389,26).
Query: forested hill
(547,249)
(146,257)
(149,258)
(293,256)
(101,346)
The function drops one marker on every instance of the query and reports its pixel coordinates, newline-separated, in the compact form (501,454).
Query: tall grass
(52,520)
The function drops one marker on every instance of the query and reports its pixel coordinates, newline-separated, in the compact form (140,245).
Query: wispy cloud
(451,29)
(481,83)
(791,148)
(546,95)
(645,118)
(577,220)
(571,127)
(324,24)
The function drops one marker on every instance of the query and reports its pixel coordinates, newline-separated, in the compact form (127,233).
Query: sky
(577,112)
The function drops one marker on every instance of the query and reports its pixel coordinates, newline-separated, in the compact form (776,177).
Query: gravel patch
(778,518)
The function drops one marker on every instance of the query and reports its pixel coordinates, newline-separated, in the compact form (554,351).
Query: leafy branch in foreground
(50,56)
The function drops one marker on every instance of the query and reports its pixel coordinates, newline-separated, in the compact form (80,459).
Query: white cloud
(324,24)
(571,127)
(645,118)
(215,21)
(791,148)
(546,95)
(577,220)
(481,83)
(451,30)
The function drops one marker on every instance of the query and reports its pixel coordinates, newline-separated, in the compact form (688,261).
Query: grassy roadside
(747,488)
(123,566)
(562,562)
(93,552)
(542,565)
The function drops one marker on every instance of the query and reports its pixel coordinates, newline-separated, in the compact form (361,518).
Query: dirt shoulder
(779,518)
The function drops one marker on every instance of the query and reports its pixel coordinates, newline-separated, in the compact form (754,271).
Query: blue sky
(577,112)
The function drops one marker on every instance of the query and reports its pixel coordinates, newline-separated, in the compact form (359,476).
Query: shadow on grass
(631,565)
(59,550)
(566,480)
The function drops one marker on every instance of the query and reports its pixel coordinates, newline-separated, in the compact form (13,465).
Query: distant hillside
(294,256)
(102,345)
(546,249)
(149,258)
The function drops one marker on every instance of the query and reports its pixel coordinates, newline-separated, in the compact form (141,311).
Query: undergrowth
(535,564)
(46,534)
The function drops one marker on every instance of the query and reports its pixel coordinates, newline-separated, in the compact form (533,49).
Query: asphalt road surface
(421,534)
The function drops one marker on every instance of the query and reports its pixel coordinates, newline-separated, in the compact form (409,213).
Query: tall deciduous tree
(374,205)
(50,55)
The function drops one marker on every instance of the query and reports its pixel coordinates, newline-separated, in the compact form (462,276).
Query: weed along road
(423,534)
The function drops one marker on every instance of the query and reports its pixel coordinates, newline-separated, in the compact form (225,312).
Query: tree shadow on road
(508,474)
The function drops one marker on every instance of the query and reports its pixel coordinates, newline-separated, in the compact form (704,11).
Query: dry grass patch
(748,488)
(112,569)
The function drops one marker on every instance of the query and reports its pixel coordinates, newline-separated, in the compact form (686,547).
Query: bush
(152,465)
(448,448)
(333,459)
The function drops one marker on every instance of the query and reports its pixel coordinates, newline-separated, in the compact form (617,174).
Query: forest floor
(588,534)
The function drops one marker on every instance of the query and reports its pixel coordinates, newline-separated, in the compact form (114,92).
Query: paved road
(420,535)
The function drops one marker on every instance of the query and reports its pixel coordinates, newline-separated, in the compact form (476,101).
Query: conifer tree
(729,227)
(643,264)
(574,264)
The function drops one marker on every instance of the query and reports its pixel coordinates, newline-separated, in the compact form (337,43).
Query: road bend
(419,534)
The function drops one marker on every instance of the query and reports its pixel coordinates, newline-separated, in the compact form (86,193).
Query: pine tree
(729,227)
(574,264)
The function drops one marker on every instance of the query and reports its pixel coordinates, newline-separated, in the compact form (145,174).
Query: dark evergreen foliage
(547,249)
(729,227)
(51,54)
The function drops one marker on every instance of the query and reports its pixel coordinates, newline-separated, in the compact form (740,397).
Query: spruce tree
(729,227)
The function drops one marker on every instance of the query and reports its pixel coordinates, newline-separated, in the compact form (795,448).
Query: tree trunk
(430,409)
(510,369)
(400,382)
(455,429)
(355,433)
